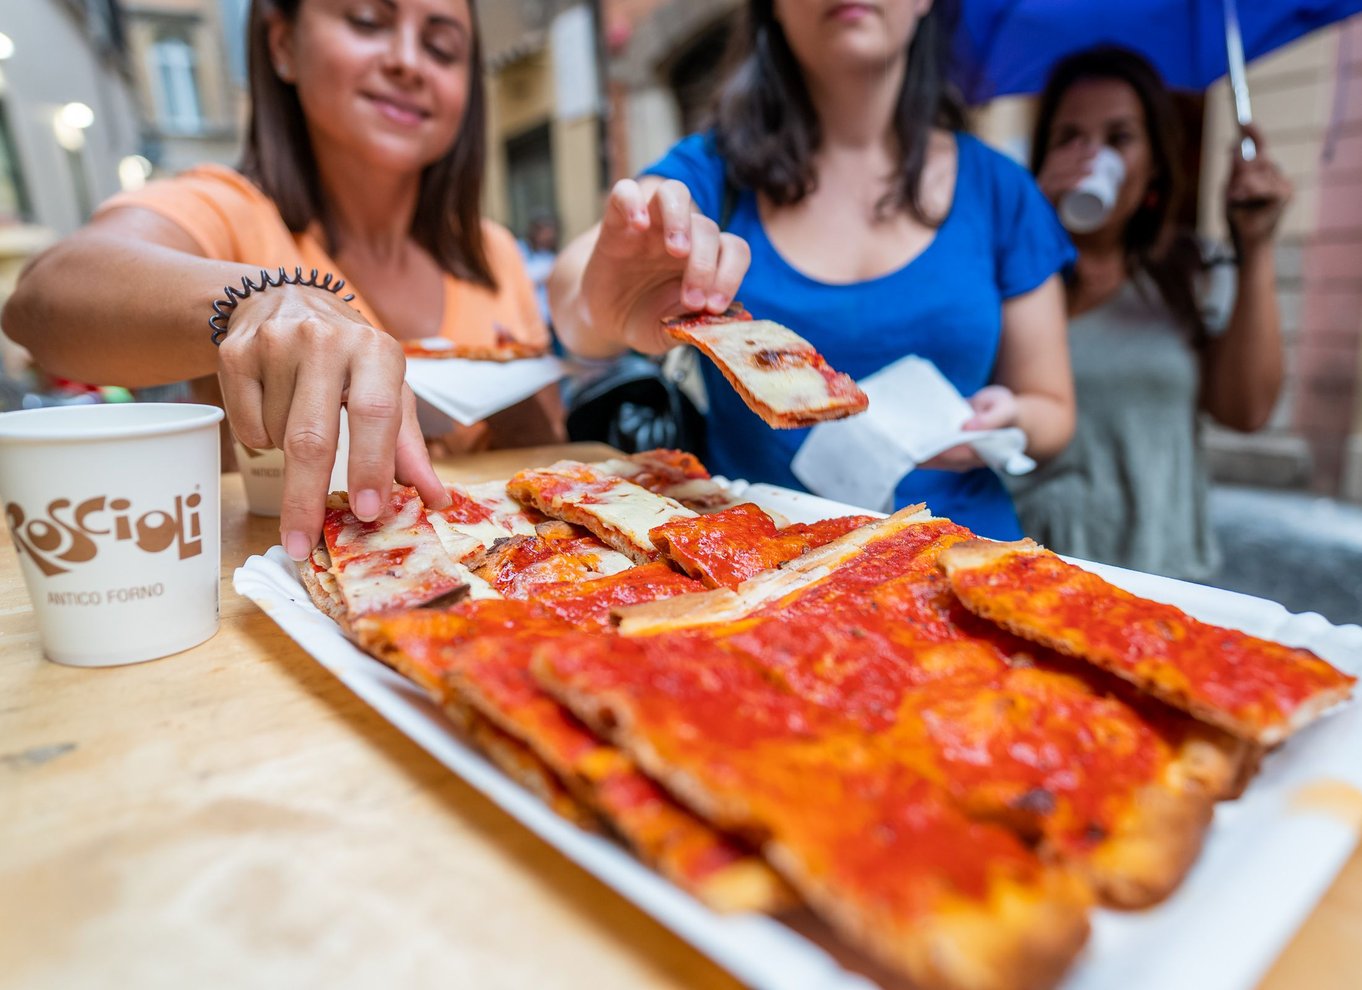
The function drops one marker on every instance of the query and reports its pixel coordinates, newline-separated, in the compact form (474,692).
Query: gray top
(1130,489)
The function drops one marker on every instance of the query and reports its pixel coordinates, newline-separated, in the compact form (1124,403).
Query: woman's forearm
(1048,422)
(112,310)
(1244,369)
(573,320)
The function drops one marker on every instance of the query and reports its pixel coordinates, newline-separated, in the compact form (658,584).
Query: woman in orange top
(364,159)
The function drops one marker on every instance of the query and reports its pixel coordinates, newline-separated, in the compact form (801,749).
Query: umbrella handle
(1234,60)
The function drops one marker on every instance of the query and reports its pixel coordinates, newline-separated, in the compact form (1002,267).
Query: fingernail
(365,504)
(639,216)
(718,303)
(693,298)
(297,544)
(678,239)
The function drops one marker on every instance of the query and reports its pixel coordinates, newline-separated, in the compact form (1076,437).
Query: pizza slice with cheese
(672,473)
(395,561)
(1252,688)
(504,346)
(617,511)
(779,374)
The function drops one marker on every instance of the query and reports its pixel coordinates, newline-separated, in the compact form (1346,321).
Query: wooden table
(234,816)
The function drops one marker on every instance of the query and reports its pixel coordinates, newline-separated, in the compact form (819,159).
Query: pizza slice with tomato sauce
(727,547)
(780,375)
(617,511)
(876,635)
(504,346)
(395,561)
(1252,688)
(875,848)
(480,652)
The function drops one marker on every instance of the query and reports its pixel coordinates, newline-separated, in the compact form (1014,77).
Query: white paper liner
(470,391)
(1268,858)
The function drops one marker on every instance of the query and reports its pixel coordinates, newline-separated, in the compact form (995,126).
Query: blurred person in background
(540,249)
(855,211)
(364,158)
(1157,335)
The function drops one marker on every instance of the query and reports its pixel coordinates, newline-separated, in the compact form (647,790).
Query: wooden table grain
(234,816)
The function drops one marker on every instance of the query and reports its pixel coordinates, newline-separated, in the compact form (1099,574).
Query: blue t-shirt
(1001,239)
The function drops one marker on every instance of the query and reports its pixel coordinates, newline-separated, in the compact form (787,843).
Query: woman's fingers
(995,406)
(412,462)
(702,262)
(670,210)
(734,258)
(309,445)
(375,413)
(626,210)
(242,394)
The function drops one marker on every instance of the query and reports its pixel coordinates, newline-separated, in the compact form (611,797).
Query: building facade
(545,136)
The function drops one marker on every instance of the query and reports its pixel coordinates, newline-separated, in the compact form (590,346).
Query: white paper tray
(1268,859)
(470,391)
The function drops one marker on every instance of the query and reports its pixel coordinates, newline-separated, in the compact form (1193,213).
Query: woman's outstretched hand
(291,358)
(657,256)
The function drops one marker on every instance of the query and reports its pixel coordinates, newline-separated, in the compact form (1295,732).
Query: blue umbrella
(1008,46)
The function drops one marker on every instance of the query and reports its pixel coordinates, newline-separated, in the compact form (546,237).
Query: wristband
(223,308)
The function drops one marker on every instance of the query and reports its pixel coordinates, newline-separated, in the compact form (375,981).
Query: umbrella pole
(1234,57)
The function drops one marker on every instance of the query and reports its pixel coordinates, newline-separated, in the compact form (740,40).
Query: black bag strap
(728,203)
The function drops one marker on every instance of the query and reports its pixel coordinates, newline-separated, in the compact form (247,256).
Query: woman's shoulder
(501,248)
(213,181)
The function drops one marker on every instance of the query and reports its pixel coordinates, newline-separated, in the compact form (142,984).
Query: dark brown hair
(278,158)
(1154,244)
(766,129)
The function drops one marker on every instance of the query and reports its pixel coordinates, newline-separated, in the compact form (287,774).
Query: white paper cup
(262,471)
(1086,206)
(114,512)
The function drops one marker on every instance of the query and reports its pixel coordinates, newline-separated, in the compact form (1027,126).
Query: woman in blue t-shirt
(857,214)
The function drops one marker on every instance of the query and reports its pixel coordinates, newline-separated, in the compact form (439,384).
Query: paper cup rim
(77,424)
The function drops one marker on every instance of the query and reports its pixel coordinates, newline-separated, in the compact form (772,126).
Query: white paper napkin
(470,391)
(914,414)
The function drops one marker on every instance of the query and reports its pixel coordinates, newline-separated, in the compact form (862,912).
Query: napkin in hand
(914,414)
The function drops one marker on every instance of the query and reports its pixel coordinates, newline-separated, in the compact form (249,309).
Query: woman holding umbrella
(854,211)
(1152,344)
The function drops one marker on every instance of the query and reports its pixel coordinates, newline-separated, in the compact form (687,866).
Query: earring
(284,71)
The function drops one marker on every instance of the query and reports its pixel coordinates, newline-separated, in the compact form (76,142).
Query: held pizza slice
(617,511)
(1252,688)
(779,374)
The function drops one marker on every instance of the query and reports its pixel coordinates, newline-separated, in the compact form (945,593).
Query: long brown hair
(1153,242)
(278,158)
(766,129)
